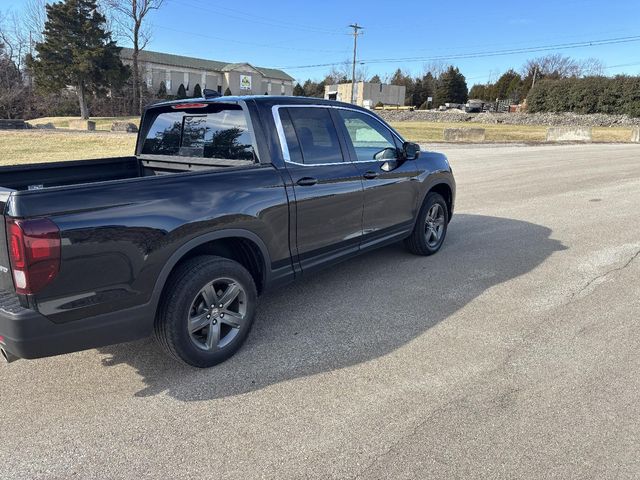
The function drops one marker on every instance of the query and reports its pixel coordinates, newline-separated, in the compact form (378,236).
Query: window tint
(371,140)
(219,134)
(316,134)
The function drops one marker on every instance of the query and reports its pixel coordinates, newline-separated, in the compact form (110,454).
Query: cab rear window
(220,133)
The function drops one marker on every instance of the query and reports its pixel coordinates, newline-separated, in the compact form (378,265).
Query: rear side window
(222,134)
(315,134)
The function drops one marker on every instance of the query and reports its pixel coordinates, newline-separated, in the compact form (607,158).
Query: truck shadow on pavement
(362,309)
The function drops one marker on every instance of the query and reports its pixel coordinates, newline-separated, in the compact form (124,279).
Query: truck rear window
(221,134)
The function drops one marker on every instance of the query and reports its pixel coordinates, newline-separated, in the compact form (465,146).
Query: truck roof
(260,99)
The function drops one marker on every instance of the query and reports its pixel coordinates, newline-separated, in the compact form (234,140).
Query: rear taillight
(34,251)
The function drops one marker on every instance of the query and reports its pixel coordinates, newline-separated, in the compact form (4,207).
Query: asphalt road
(513,353)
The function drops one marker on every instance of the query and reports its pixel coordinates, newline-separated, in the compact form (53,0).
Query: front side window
(218,133)
(370,139)
(315,134)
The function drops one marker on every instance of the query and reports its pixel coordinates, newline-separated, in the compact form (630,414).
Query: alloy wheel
(434,225)
(217,314)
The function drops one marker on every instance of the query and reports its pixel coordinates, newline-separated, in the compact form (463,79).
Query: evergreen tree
(426,87)
(197,91)
(313,89)
(401,79)
(162,91)
(479,92)
(77,50)
(182,92)
(508,86)
(298,91)
(375,79)
(452,87)
(227,92)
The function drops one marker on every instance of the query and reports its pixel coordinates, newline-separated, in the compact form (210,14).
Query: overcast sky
(405,34)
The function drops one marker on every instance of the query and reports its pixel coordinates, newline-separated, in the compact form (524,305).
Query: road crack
(603,275)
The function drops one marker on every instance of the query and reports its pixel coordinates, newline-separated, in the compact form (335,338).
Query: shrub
(618,95)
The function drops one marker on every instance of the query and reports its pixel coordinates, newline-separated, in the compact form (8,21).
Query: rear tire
(430,229)
(206,312)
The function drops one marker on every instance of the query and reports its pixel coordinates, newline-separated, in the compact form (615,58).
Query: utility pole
(535,74)
(356,32)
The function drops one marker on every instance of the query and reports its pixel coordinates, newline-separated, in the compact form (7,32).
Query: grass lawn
(432,132)
(102,123)
(34,146)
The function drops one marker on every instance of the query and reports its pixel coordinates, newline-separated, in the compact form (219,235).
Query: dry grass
(102,123)
(33,146)
(432,132)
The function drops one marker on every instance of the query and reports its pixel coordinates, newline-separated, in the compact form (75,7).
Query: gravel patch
(551,119)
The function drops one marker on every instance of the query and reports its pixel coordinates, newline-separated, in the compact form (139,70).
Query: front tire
(430,229)
(207,310)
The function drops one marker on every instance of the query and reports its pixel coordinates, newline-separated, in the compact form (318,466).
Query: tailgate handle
(307,181)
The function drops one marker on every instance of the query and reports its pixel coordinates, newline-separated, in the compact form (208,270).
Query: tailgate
(6,280)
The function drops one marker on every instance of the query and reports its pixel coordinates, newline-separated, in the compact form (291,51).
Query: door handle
(370,175)
(307,181)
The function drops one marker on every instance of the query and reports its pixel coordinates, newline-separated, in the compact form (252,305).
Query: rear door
(390,189)
(327,186)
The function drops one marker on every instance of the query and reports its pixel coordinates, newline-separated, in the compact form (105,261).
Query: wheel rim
(434,225)
(217,314)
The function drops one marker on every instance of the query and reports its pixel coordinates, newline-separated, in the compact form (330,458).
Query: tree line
(442,85)
(62,58)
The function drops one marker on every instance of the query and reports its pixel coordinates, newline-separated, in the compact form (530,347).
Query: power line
(241,42)
(544,48)
(261,20)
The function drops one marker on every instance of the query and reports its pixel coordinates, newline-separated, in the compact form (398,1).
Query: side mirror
(411,150)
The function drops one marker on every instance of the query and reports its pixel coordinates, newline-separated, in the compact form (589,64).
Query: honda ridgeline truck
(224,199)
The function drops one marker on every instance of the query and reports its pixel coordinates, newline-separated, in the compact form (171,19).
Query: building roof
(199,63)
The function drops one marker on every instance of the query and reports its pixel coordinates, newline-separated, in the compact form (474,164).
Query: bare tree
(341,73)
(435,67)
(14,38)
(12,88)
(34,15)
(592,67)
(130,16)
(560,66)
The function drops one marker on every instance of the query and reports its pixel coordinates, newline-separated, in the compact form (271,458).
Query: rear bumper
(26,333)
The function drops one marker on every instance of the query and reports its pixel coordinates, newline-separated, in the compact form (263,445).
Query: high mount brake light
(34,252)
(185,106)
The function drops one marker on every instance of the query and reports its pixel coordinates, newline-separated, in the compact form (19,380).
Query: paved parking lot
(512,353)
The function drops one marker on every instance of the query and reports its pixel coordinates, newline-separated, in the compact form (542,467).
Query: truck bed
(57,174)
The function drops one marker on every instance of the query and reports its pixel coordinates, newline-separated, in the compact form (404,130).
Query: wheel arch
(444,189)
(243,246)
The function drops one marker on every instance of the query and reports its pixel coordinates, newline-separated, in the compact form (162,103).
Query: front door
(390,186)
(327,187)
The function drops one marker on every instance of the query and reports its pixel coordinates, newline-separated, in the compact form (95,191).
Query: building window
(282,88)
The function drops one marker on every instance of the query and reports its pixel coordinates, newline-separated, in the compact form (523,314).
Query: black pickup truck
(224,198)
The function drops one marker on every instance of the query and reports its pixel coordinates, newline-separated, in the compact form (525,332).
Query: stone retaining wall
(464,134)
(569,134)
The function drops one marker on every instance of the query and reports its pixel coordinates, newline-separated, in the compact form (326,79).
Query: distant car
(474,106)
(225,198)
